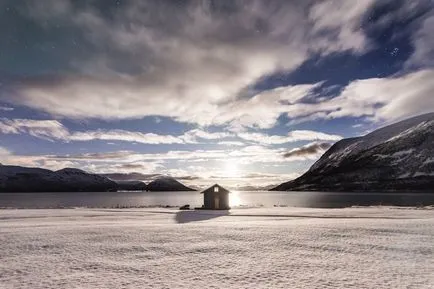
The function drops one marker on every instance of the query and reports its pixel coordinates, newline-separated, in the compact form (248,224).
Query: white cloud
(423,42)
(342,20)
(45,129)
(380,99)
(193,135)
(6,108)
(123,135)
(192,64)
(54,130)
(293,136)
(231,143)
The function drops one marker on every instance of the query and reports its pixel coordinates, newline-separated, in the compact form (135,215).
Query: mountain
(157,182)
(130,176)
(253,188)
(166,184)
(22,179)
(398,157)
(131,186)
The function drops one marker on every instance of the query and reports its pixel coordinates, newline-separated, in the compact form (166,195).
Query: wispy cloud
(55,130)
(231,143)
(293,136)
(122,135)
(45,129)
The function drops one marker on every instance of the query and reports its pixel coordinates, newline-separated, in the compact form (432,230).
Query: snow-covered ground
(245,248)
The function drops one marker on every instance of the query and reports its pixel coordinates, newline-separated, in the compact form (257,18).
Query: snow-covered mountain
(397,157)
(167,184)
(22,179)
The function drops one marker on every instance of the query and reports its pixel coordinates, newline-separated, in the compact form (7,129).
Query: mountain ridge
(27,179)
(397,157)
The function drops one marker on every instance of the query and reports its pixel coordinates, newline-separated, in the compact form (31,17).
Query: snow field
(247,248)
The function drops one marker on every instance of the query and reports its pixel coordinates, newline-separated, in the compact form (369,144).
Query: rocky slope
(22,179)
(398,157)
(167,184)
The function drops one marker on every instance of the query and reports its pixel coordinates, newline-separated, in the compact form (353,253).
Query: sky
(242,93)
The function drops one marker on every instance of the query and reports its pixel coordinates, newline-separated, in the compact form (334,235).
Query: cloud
(54,130)
(189,62)
(423,42)
(380,99)
(249,155)
(293,136)
(231,143)
(45,129)
(314,148)
(193,135)
(130,167)
(95,156)
(123,135)
(6,108)
(248,158)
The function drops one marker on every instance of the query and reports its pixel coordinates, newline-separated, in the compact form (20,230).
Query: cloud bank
(191,62)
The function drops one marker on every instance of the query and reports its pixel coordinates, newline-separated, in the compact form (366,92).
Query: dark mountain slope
(167,184)
(22,179)
(397,157)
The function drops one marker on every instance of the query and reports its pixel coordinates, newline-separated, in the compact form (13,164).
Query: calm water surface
(195,199)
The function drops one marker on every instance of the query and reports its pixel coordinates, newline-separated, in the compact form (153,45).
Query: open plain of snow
(379,247)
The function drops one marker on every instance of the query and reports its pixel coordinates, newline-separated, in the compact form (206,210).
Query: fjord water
(195,199)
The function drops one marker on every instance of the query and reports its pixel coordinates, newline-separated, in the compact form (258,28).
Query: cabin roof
(211,189)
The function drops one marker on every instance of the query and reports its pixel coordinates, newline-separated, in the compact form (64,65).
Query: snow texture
(379,247)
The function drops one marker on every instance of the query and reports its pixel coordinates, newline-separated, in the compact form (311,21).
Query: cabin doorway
(217,202)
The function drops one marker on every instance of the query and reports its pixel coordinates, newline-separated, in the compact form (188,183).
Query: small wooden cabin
(216,198)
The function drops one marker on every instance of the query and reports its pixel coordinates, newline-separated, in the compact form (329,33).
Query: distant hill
(130,176)
(398,157)
(22,179)
(167,184)
(156,182)
(131,186)
(253,188)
